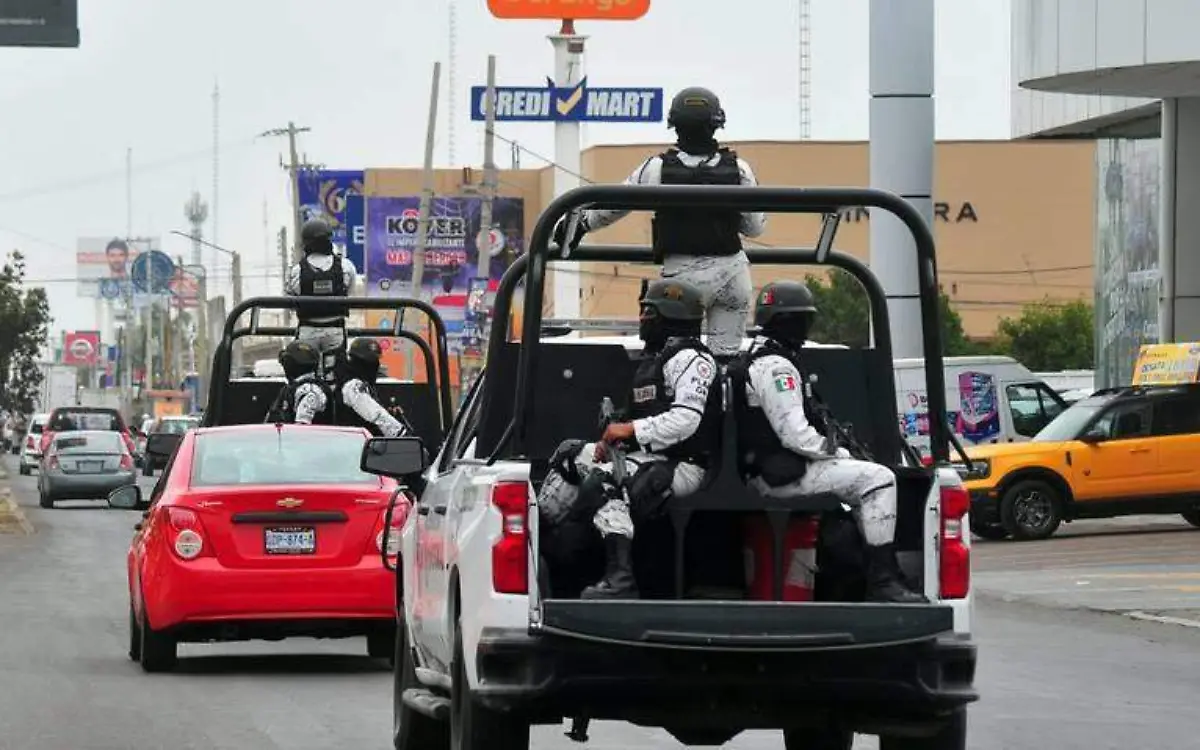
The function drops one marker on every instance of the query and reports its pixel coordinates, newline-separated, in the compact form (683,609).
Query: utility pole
(293,167)
(418,269)
(484,243)
(283,257)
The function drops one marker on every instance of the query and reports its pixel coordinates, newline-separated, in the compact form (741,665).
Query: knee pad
(594,491)
(650,489)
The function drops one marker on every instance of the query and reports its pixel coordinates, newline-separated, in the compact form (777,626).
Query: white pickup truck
(486,647)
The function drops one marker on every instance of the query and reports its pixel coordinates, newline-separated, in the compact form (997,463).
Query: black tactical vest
(757,442)
(650,398)
(317,283)
(284,408)
(698,232)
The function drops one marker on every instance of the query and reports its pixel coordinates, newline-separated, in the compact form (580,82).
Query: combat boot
(618,581)
(885,582)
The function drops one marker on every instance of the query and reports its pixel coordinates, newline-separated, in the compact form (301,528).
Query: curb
(12,519)
(1040,603)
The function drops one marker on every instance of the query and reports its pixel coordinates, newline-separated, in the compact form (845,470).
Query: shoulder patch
(784,382)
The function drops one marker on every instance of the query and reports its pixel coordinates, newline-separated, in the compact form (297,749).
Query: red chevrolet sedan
(262,532)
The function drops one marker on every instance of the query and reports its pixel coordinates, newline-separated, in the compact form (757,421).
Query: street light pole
(236,268)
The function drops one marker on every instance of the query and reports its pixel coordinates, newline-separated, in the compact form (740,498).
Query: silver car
(84,465)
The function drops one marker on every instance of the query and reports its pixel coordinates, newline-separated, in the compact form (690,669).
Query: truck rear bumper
(554,673)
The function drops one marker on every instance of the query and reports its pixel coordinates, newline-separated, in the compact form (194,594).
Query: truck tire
(135,636)
(474,726)
(412,730)
(827,738)
(952,736)
(1031,509)
(1192,516)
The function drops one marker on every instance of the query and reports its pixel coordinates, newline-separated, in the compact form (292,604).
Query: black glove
(560,232)
(563,461)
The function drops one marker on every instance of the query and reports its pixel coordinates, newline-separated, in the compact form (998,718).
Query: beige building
(1015,220)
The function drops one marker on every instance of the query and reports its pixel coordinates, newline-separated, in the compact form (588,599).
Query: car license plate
(291,540)
(91,467)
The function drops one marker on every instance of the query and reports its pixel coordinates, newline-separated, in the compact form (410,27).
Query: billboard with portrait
(102,265)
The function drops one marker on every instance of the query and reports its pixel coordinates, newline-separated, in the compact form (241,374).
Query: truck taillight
(52,462)
(955,571)
(187,533)
(510,559)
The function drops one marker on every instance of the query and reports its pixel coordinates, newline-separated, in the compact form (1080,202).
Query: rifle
(840,434)
(609,415)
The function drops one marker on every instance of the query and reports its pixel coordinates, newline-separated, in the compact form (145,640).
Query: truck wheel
(826,738)
(1031,510)
(474,726)
(1192,516)
(412,730)
(993,532)
(952,736)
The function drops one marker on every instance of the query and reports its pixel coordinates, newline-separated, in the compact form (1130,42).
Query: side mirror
(128,497)
(1091,438)
(394,457)
(162,444)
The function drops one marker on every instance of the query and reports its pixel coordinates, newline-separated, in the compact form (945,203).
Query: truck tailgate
(736,625)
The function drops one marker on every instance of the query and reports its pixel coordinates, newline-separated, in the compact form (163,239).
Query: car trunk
(721,609)
(306,526)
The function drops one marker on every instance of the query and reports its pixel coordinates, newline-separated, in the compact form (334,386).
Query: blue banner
(356,231)
(323,192)
(577,103)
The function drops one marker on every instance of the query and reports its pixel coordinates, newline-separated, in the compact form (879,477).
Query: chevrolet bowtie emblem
(289,502)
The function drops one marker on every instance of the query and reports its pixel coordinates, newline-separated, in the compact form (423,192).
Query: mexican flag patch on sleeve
(785,383)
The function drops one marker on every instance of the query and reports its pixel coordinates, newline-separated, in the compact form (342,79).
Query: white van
(989,400)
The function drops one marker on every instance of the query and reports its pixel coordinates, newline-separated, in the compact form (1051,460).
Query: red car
(74,418)
(262,532)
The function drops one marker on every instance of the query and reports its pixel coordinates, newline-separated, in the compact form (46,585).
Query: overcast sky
(357,72)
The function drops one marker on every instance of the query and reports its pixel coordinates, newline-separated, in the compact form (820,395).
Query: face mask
(651,330)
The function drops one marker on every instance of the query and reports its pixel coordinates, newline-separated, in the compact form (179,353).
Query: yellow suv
(1122,451)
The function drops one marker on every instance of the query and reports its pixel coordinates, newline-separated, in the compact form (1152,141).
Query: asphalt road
(1049,677)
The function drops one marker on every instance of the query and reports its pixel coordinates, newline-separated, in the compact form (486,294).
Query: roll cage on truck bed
(427,405)
(482,654)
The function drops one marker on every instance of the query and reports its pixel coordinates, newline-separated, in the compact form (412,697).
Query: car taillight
(392,534)
(129,444)
(29,443)
(52,462)
(955,571)
(126,461)
(187,533)
(510,559)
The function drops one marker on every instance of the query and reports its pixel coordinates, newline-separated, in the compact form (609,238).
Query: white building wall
(1076,46)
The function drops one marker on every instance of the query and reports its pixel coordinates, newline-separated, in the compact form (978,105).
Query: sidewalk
(12,520)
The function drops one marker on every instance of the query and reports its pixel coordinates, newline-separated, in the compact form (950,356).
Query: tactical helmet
(314,231)
(366,350)
(299,358)
(783,298)
(673,300)
(696,106)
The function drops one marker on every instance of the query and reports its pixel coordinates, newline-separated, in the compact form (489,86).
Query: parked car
(273,532)
(173,425)
(84,465)
(31,446)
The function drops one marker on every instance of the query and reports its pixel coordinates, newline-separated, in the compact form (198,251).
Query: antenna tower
(451,87)
(805,71)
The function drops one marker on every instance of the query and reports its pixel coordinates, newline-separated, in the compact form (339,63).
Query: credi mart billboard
(578,10)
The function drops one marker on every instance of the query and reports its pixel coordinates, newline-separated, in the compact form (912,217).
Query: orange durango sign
(588,10)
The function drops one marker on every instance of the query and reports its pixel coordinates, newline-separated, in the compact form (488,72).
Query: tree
(844,316)
(1050,336)
(24,328)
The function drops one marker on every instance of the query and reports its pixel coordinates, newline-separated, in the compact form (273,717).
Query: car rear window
(89,442)
(85,420)
(176,426)
(290,456)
